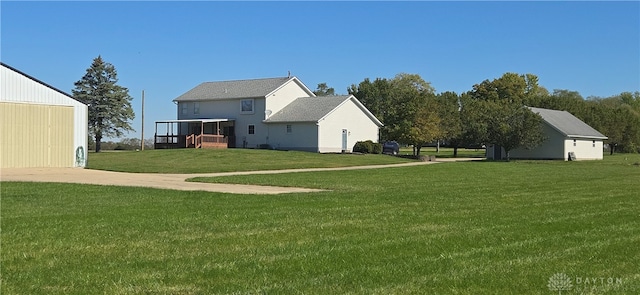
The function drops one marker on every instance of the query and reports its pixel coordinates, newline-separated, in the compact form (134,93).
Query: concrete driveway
(173,181)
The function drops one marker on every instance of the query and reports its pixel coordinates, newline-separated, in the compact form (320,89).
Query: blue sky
(167,48)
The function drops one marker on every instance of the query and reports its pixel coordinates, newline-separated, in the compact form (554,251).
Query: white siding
(303,136)
(551,148)
(557,147)
(230,109)
(284,96)
(347,116)
(20,89)
(584,149)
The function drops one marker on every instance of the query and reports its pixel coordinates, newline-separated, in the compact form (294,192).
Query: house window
(574,142)
(185,108)
(252,129)
(288,128)
(196,108)
(594,143)
(246,106)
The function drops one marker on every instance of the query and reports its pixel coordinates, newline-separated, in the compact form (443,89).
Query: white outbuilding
(40,126)
(567,138)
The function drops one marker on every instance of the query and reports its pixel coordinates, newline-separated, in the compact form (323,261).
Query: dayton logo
(560,282)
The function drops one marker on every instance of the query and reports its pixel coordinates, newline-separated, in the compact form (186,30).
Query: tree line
(124,144)
(492,112)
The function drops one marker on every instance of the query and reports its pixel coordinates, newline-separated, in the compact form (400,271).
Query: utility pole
(142,133)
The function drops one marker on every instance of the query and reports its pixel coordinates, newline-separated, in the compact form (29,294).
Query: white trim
(359,105)
(297,81)
(195,120)
(253,106)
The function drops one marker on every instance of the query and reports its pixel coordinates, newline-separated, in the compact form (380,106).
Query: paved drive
(173,181)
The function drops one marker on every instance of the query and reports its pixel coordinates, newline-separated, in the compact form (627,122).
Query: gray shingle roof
(307,109)
(568,124)
(233,89)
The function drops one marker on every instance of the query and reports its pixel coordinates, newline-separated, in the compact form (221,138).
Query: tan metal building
(40,126)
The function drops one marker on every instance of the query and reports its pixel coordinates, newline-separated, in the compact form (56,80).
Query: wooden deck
(205,141)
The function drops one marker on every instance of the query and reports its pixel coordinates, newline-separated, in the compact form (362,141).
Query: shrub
(367,147)
(377,148)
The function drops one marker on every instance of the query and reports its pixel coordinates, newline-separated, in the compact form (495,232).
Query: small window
(252,129)
(594,143)
(246,106)
(574,142)
(185,108)
(288,128)
(196,108)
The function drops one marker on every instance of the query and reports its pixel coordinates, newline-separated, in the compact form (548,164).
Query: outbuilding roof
(38,81)
(313,109)
(568,124)
(236,89)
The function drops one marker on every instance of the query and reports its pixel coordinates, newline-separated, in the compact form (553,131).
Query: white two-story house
(278,113)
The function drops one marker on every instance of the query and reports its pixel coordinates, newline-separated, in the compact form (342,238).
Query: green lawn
(445,152)
(451,228)
(225,160)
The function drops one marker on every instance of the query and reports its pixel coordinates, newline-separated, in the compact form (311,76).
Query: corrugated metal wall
(16,88)
(40,135)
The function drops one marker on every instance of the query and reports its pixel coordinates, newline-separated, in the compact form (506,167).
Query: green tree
(501,103)
(513,126)
(397,103)
(425,127)
(450,112)
(511,88)
(324,90)
(109,104)
(377,97)
(631,99)
(566,100)
(467,123)
(618,120)
(409,94)
(475,121)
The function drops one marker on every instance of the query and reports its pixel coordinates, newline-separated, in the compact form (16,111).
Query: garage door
(35,135)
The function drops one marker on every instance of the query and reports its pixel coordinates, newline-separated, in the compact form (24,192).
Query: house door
(497,152)
(344,140)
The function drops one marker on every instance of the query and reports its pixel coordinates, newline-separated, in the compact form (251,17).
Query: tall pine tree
(110,111)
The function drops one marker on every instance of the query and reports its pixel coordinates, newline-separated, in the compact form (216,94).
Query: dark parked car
(391,147)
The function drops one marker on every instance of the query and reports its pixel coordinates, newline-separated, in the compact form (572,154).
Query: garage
(41,126)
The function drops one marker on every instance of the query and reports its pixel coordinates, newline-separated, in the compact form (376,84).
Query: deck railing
(191,141)
(214,141)
(170,139)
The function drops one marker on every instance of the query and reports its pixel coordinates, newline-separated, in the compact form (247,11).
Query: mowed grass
(450,228)
(225,160)
(446,152)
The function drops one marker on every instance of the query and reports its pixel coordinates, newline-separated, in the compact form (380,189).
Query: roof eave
(267,121)
(587,136)
(367,112)
(295,80)
(216,99)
